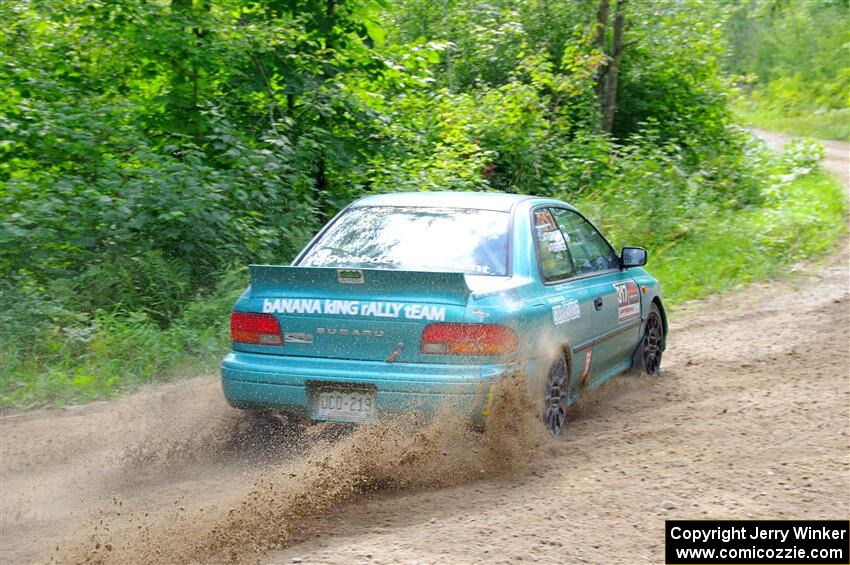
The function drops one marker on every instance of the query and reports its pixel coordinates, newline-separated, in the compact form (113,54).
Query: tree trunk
(601,23)
(612,74)
(186,79)
(599,45)
(320,178)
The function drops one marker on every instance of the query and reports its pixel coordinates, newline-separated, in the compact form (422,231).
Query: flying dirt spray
(391,455)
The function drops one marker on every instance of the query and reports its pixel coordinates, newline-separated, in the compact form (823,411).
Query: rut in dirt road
(749,420)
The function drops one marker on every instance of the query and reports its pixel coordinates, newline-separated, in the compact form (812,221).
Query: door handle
(597,303)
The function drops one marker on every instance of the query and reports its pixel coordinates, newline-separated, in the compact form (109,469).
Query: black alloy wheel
(653,340)
(555,397)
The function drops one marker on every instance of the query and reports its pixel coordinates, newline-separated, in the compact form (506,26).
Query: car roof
(498,201)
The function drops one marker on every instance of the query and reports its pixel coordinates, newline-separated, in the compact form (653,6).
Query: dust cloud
(302,475)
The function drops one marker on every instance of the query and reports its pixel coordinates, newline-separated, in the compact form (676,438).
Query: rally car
(413,301)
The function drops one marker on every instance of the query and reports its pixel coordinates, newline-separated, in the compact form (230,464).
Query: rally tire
(555,396)
(647,356)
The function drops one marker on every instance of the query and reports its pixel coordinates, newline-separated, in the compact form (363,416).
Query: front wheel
(647,358)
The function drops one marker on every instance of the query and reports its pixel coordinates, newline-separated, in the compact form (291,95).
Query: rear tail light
(467,339)
(262,329)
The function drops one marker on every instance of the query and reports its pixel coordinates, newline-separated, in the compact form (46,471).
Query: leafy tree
(793,53)
(147,148)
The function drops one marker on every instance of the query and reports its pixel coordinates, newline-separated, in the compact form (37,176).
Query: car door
(567,299)
(615,296)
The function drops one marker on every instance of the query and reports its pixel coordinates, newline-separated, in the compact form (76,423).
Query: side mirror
(632,257)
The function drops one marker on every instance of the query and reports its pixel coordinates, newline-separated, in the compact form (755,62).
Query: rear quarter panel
(528,308)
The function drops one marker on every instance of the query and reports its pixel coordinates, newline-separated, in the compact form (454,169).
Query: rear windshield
(415,239)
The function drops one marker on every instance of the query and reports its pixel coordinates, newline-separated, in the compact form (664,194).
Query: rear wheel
(647,357)
(555,397)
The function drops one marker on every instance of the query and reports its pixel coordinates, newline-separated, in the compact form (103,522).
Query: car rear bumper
(258,381)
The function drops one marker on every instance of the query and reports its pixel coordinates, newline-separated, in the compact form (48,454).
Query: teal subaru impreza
(413,301)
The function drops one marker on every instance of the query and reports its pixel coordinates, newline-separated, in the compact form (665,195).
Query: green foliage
(671,75)
(50,355)
(820,124)
(792,62)
(147,148)
(703,249)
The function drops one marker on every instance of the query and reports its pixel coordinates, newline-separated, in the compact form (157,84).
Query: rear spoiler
(273,281)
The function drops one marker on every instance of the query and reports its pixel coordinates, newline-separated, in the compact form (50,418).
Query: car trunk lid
(361,314)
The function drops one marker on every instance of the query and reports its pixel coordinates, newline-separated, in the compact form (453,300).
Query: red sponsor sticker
(586,371)
(545,220)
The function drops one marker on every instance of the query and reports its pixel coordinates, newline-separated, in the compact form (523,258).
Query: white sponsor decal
(354,308)
(557,246)
(628,300)
(565,311)
(630,311)
(292,306)
(323,258)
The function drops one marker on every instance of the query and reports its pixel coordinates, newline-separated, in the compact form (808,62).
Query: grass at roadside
(820,124)
(119,355)
(800,218)
(115,353)
(722,250)
(802,222)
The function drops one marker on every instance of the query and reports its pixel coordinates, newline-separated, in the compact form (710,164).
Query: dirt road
(836,153)
(749,420)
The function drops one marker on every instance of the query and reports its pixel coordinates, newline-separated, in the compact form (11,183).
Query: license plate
(344,405)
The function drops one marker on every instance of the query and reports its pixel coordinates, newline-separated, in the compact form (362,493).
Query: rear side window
(468,241)
(590,251)
(555,261)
